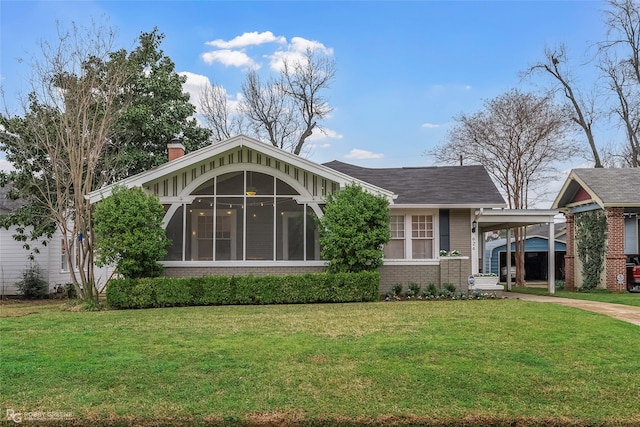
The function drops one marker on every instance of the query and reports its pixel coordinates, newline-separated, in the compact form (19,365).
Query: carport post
(507,276)
(551,261)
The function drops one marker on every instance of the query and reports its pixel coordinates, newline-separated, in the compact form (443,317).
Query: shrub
(33,285)
(129,233)
(431,290)
(413,291)
(64,290)
(591,246)
(450,287)
(353,230)
(223,290)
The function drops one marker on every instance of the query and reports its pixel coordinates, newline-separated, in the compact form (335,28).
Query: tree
(626,93)
(56,148)
(155,110)
(583,111)
(517,137)
(94,115)
(220,115)
(284,111)
(129,233)
(623,38)
(353,230)
(618,59)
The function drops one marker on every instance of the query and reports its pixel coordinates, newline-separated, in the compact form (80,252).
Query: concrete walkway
(626,313)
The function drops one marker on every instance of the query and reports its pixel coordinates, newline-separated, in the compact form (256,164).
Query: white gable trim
(234,142)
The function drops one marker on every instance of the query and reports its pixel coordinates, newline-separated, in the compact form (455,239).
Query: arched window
(243,216)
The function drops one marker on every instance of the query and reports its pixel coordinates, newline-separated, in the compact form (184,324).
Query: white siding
(14,260)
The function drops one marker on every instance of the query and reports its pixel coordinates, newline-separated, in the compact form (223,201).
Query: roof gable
(238,152)
(604,187)
(433,185)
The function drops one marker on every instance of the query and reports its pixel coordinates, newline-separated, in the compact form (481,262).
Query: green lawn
(598,295)
(492,361)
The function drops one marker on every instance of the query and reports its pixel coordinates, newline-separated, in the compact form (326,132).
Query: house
(615,193)
(536,248)
(241,206)
(50,257)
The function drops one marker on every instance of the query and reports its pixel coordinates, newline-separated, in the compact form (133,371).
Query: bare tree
(517,138)
(623,30)
(270,111)
(627,108)
(69,119)
(303,81)
(221,117)
(583,111)
(284,111)
(623,38)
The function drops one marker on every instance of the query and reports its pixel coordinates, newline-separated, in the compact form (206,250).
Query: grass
(596,295)
(492,361)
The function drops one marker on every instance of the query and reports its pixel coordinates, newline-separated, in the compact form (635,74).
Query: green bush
(33,285)
(224,290)
(353,230)
(129,233)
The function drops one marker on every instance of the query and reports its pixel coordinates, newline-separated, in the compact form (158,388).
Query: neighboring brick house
(242,206)
(616,192)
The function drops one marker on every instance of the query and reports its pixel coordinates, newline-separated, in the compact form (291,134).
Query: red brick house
(616,193)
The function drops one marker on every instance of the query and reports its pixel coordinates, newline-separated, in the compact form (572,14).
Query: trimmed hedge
(225,290)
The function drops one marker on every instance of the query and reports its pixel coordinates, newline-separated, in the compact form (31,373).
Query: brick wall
(238,271)
(615,258)
(391,275)
(569,257)
(454,271)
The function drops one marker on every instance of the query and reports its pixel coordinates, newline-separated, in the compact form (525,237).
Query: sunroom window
(243,216)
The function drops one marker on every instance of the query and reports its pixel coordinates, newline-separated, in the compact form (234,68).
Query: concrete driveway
(626,313)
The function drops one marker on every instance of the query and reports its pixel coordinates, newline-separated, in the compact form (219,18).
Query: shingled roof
(607,187)
(436,185)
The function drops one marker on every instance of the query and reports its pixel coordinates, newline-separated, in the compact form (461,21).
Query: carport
(507,219)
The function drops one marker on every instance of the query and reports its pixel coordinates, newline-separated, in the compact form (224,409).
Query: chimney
(176,149)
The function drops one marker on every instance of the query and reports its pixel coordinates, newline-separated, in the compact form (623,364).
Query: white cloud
(324,134)
(295,52)
(5,166)
(195,85)
(230,58)
(314,146)
(247,39)
(430,126)
(362,154)
(299,44)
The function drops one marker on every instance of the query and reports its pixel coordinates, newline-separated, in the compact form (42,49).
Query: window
(422,236)
(250,216)
(64,262)
(394,249)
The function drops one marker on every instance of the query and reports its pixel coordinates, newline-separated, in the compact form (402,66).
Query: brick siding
(569,257)
(455,271)
(615,258)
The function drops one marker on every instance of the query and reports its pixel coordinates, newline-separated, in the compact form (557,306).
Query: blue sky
(404,69)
